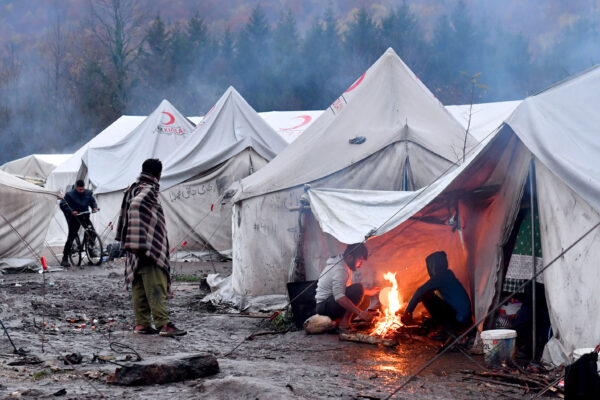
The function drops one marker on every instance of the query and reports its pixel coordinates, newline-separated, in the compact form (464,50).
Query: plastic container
(498,346)
(584,350)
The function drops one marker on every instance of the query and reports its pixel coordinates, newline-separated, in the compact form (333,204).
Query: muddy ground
(284,366)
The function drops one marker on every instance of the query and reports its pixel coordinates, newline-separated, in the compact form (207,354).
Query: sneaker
(65,263)
(170,330)
(144,330)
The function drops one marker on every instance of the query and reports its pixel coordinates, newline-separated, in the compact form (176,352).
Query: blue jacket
(451,290)
(75,201)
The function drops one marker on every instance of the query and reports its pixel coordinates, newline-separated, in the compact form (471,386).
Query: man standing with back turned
(143,231)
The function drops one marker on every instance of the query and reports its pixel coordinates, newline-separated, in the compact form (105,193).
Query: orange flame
(389,319)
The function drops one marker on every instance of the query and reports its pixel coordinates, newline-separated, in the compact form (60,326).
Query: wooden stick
(362,338)
(510,377)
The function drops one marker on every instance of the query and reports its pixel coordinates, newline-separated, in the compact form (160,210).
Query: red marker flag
(44,265)
(212,207)
(184,244)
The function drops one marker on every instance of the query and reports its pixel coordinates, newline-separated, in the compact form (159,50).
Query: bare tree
(10,71)
(55,52)
(474,85)
(117,25)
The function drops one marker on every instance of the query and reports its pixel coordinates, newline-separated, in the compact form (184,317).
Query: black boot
(65,262)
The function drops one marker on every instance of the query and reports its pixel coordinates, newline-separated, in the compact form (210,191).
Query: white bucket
(584,350)
(498,346)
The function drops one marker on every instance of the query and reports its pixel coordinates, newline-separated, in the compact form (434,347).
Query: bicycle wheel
(75,253)
(93,248)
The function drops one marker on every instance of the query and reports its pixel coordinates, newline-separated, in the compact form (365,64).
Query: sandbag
(318,324)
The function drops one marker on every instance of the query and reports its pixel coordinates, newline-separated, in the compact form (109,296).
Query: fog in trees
(57,94)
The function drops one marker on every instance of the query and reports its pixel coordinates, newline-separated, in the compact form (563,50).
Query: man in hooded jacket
(443,296)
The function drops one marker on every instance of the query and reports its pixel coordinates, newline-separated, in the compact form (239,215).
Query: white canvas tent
(469,213)
(229,144)
(404,139)
(65,174)
(34,168)
(63,177)
(26,208)
(110,169)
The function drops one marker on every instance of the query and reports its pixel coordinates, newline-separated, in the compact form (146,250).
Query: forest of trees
(56,96)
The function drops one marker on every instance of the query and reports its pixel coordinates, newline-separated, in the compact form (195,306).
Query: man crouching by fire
(336,296)
(443,296)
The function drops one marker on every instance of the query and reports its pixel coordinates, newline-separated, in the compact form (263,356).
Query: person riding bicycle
(76,201)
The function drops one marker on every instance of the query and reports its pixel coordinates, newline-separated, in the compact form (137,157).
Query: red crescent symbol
(359,80)
(306,119)
(171,118)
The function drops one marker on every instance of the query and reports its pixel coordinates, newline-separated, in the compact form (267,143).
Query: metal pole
(534,270)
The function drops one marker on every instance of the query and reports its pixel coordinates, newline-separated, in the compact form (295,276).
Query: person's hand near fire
(336,297)
(407,318)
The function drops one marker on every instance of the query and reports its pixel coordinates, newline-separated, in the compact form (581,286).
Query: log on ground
(167,370)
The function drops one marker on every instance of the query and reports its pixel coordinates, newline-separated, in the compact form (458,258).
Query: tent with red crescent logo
(113,167)
(230,143)
(545,157)
(387,131)
(63,177)
(25,213)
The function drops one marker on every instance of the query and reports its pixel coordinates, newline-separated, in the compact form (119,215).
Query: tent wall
(105,221)
(29,210)
(266,220)
(193,209)
(571,283)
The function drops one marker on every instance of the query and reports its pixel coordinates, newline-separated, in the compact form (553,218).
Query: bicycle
(91,244)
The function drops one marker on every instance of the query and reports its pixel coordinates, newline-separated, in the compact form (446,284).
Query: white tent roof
(64,174)
(290,124)
(114,167)
(561,127)
(230,127)
(484,117)
(35,167)
(388,104)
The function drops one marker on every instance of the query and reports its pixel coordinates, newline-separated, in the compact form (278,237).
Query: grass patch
(187,278)
(40,374)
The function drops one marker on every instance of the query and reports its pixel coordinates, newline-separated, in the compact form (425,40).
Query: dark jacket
(75,201)
(581,378)
(444,281)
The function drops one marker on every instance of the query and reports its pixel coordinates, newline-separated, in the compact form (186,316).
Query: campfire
(387,329)
(388,320)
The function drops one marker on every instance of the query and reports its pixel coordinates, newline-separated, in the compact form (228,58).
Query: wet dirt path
(291,365)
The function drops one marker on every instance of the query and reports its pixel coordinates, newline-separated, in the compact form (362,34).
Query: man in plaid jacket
(143,231)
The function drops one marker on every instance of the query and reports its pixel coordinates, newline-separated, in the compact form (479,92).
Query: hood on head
(436,263)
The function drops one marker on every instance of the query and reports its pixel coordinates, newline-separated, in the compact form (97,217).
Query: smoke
(57,86)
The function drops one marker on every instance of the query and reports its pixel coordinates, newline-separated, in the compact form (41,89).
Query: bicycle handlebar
(86,212)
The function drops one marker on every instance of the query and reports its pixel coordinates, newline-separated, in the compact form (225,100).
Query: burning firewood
(362,338)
